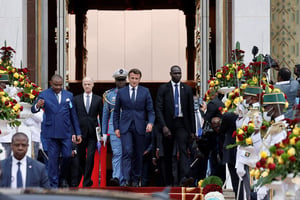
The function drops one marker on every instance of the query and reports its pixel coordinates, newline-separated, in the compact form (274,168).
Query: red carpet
(183,193)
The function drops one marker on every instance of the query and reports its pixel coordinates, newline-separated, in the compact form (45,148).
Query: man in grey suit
(289,87)
(20,171)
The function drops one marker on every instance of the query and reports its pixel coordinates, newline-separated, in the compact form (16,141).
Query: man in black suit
(88,107)
(19,170)
(228,126)
(175,116)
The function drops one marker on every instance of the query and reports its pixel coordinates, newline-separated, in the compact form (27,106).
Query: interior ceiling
(81,6)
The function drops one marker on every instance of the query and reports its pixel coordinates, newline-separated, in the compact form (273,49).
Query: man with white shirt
(21,171)
(88,106)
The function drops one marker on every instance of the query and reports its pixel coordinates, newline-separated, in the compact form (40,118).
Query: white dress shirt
(130,91)
(14,170)
(179,102)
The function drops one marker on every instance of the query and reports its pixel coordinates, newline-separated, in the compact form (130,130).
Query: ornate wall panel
(285,31)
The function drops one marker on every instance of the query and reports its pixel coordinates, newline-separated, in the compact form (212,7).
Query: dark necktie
(87,103)
(19,177)
(176,101)
(133,95)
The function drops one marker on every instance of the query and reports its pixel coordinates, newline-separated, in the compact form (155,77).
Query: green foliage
(212,180)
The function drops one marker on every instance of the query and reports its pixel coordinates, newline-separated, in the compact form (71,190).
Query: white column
(219,34)
(204,45)
(24,34)
(44,44)
(61,39)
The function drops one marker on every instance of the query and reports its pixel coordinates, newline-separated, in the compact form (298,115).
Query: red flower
(285,141)
(20,94)
(279,152)
(240,137)
(263,162)
(258,164)
(271,166)
(292,158)
(234,134)
(277,145)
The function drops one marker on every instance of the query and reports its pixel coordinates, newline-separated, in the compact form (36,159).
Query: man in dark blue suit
(133,118)
(21,171)
(60,128)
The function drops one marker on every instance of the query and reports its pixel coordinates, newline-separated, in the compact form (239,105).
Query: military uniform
(107,126)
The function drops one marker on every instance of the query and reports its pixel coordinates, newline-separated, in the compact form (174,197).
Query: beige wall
(151,40)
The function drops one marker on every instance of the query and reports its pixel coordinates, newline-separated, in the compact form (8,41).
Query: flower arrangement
(211,188)
(9,109)
(30,92)
(243,135)
(6,53)
(234,97)
(210,180)
(18,77)
(284,159)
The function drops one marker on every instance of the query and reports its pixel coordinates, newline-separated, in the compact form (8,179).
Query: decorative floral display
(283,159)
(30,92)
(18,77)
(9,109)
(6,53)
(211,188)
(243,135)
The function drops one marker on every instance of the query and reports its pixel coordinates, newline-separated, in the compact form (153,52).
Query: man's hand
(167,133)
(78,139)
(149,128)
(117,132)
(40,103)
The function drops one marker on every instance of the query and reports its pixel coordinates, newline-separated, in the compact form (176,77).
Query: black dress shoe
(187,182)
(88,183)
(135,184)
(125,184)
(63,184)
(114,182)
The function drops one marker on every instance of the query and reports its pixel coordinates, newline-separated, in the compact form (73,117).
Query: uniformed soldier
(107,126)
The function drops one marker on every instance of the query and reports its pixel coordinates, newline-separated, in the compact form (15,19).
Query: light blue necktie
(176,101)
(57,97)
(87,103)
(19,177)
(133,95)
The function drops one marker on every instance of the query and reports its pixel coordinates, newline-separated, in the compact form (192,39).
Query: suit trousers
(58,170)
(132,154)
(116,147)
(178,146)
(86,153)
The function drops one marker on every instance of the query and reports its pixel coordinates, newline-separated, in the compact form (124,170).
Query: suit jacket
(140,112)
(61,119)
(213,109)
(36,173)
(291,91)
(228,126)
(88,121)
(165,106)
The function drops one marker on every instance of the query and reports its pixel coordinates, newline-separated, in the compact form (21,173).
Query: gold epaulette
(105,98)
